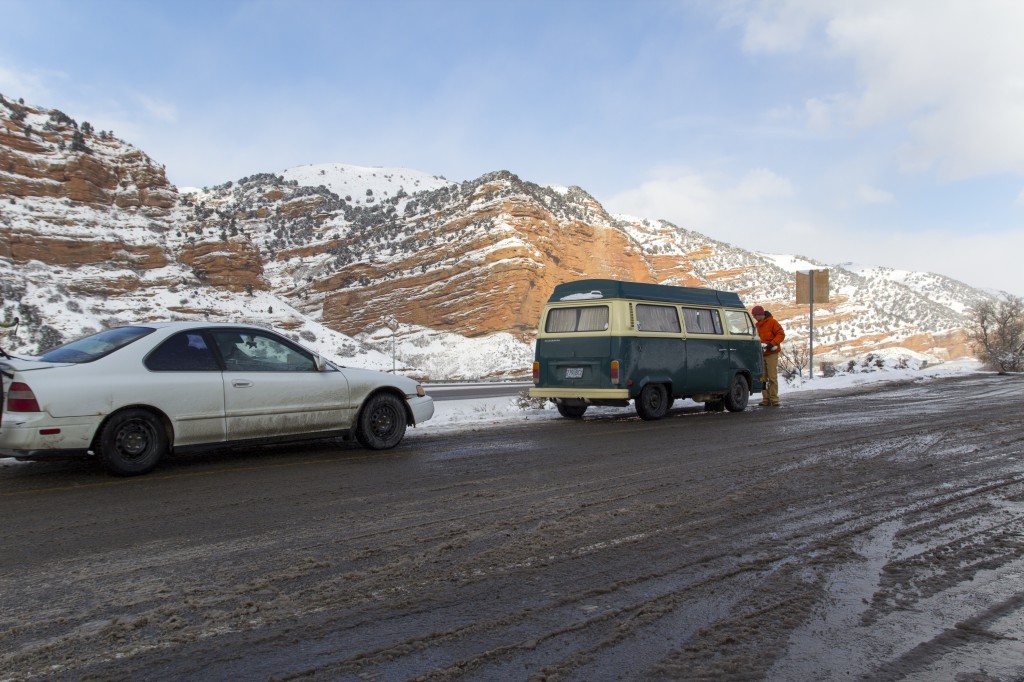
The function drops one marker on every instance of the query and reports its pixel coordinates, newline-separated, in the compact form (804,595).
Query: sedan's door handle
(241,383)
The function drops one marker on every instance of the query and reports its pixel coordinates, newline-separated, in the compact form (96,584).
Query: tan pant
(770,394)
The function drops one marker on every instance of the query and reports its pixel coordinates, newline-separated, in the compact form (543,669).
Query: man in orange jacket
(771,335)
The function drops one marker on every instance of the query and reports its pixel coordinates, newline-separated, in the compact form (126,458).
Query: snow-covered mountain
(357,261)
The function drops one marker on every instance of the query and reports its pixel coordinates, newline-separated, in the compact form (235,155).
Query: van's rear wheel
(653,402)
(571,411)
(738,395)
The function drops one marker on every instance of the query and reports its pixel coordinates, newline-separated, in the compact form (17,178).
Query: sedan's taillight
(20,398)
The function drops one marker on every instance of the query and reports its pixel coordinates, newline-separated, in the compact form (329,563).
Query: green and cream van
(606,342)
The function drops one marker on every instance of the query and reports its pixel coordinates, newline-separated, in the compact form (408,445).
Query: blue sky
(879,131)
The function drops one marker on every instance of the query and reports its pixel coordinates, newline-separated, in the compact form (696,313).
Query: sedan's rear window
(93,347)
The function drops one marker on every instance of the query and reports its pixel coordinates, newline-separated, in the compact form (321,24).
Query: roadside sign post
(811,288)
(391,323)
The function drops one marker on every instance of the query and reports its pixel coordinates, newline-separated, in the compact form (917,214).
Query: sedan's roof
(192,324)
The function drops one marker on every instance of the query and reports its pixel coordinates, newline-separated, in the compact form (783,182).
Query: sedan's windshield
(90,348)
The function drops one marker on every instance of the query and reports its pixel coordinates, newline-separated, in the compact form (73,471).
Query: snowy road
(872,533)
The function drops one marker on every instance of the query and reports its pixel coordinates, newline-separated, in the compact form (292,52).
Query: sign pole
(806,293)
(811,329)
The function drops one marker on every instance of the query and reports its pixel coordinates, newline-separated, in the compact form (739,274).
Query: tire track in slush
(570,554)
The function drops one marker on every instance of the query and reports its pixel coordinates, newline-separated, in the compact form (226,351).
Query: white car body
(287,392)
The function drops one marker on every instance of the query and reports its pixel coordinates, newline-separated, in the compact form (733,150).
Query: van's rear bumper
(587,393)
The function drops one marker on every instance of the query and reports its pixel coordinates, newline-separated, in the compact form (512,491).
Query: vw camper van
(606,342)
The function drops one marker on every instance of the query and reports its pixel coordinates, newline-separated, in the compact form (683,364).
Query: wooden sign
(803,286)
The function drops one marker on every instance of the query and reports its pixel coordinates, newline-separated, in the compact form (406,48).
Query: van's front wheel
(653,402)
(738,395)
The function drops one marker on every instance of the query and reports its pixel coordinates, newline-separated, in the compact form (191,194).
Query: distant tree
(997,332)
(86,127)
(78,142)
(792,361)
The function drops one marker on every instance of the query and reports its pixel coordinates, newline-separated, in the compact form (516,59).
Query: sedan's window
(185,352)
(95,346)
(250,351)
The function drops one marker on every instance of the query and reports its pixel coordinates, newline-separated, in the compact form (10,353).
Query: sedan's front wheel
(132,442)
(381,422)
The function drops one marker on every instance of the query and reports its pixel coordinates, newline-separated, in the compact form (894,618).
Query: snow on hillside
(790,263)
(356,181)
(56,315)
(943,290)
(446,356)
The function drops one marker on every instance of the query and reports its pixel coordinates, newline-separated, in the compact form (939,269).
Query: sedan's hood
(375,378)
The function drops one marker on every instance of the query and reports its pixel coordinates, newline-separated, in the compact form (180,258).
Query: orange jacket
(770,332)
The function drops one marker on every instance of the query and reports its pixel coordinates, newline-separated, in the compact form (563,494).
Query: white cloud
(761,184)
(762,212)
(752,212)
(774,26)
(30,86)
(872,195)
(160,111)
(679,195)
(946,73)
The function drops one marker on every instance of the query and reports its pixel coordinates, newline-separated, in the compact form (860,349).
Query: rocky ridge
(92,233)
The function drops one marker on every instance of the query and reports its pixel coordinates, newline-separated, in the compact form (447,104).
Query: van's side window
(657,318)
(738,322)
(591,318)
(702,321)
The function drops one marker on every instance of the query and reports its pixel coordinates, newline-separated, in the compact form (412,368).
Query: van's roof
(590,289)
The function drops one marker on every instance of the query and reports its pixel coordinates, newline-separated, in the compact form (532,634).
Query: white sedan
(130,395)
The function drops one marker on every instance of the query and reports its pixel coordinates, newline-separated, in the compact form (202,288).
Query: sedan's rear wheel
(382,422)
(132,442)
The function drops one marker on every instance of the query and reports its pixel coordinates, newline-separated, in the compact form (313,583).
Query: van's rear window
(590,318)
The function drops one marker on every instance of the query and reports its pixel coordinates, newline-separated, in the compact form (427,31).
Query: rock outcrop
(100,219)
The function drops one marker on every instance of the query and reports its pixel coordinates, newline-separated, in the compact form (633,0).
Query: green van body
(606,342)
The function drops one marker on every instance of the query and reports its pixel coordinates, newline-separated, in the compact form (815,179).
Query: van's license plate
(573,372)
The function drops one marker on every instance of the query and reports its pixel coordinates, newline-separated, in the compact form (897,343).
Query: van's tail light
(614,372)
(20,398)
(536,372)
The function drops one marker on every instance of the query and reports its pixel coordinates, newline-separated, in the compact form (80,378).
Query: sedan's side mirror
(321,364)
